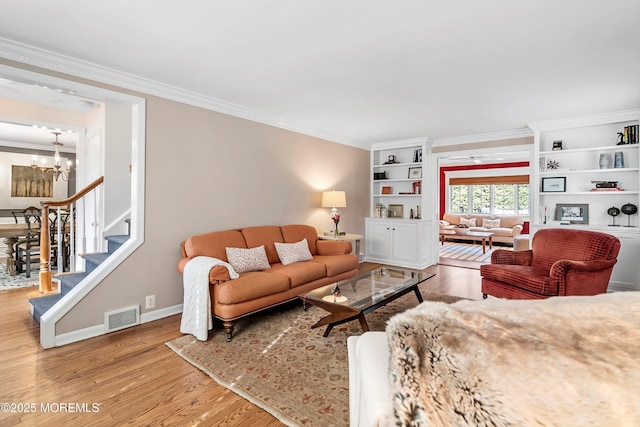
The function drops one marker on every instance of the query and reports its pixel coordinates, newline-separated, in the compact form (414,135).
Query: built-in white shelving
(396,233)
(578,166)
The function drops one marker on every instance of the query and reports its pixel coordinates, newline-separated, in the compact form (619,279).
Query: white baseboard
(97,330)
(160,314)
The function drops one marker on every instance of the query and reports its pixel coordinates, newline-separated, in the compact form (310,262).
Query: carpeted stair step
(69,281)
(43,304)
(91,261)
(115,241)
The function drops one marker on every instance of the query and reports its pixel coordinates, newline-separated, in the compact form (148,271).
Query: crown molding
(399,143)
(32,55)
(592,120)
(493,136)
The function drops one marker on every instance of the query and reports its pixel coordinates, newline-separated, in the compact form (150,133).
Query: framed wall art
(554,185)
(396,211)
(27,181)
(573,213)
(415,173)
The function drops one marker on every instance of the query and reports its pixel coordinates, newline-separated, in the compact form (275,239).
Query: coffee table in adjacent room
(353,298)
(471,235)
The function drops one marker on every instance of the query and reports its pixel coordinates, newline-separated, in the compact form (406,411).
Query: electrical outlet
(150,301)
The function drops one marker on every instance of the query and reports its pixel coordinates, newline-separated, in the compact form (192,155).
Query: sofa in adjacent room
(275,265)
(505,228)
(556,362)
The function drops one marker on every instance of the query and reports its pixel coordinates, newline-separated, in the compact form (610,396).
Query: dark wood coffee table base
(341,314)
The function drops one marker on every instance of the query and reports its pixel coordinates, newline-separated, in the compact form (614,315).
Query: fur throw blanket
(564,361)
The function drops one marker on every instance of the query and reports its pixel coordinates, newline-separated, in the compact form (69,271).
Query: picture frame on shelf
(415,173)
(556,184)
(542,162)
(395,211)
(574,213)
(557,145)
(379,175)
(386,190)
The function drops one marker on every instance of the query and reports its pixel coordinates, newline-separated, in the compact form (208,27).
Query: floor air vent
(123,318)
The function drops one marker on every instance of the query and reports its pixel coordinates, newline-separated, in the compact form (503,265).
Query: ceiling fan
(473,159)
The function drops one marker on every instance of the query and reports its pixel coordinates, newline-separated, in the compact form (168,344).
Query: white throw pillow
(491,223)
(252,259)
(470,222)
(293,252)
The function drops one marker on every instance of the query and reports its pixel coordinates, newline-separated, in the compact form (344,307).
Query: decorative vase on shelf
(605,161)
(618,160)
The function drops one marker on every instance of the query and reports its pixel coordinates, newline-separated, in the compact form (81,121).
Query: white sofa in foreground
(555,362)
(369,400)
(505,228)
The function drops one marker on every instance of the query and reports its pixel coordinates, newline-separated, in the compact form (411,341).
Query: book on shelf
(630,134)
(607,189)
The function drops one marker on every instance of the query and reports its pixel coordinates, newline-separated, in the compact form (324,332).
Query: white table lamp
(334,200)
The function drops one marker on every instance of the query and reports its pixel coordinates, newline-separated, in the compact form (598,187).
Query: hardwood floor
(130,376)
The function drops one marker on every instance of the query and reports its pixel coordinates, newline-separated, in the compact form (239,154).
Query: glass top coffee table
(353,298)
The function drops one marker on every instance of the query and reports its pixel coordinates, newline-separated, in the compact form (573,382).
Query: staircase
(67,281)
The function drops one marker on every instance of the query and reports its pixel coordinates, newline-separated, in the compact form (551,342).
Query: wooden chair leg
(228,327)
(27,272)
(18,259)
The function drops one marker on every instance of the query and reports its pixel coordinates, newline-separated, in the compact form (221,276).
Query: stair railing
(45,237)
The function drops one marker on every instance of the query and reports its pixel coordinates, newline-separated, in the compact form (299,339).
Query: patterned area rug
(468,251)
(280,364)
(18,281)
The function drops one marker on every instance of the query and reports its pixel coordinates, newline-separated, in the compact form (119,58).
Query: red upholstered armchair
(562,261)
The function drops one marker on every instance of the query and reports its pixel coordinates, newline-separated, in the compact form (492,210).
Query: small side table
(521,243)
(351,237)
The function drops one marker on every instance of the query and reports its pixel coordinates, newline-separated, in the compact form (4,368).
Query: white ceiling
(32,137)
(360,71)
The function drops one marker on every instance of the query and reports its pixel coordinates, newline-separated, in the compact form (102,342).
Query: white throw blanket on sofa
(196,308)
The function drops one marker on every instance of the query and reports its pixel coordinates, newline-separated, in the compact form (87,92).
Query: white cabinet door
(378,239)
(626,272)
(404,241)
(400,242)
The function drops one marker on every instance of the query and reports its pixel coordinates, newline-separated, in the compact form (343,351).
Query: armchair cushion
(501,256)
(523,276)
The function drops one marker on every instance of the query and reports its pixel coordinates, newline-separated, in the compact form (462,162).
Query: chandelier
(56,171)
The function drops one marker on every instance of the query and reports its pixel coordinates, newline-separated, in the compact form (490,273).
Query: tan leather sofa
(254,291)
(510,225)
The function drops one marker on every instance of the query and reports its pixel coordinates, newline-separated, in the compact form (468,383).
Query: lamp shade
(334,199)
